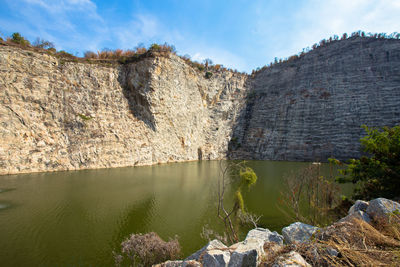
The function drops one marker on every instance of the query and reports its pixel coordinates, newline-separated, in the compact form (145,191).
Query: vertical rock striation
(313,108)
(59,115)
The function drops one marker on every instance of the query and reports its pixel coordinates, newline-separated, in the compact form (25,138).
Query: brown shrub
(90,55)
(147,249)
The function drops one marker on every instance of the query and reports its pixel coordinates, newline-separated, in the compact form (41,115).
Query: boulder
(247,253)
(212,245)
(360,205)
(382,208)
(291,259)
(361,215)
(298,232)
(265,235)
(215,258)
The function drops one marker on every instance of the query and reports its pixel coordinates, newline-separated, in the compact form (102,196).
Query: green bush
(378,174)
(155,47)
(208,75)
(18,39)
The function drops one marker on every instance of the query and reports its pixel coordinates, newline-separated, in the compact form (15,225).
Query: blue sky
(239,34)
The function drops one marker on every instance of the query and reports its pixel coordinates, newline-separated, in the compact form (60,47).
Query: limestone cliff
(57,115)
(312,108)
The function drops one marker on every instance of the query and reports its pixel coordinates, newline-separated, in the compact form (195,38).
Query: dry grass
(357,242)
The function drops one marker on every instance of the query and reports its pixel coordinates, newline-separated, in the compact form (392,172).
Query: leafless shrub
(146,250)
(41,43)
(309,197)
(209,234)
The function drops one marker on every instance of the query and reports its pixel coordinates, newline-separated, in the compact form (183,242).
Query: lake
(78,218)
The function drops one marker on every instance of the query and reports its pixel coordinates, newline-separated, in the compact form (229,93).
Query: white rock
(298,232)
(361,215)
(212,245)
(381,208)
(265,235)
(247,253)
(291,259)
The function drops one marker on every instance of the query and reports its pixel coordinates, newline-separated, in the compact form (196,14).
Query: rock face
(382,208)
(359,205)
(58,115)
(358,211)
(312,108)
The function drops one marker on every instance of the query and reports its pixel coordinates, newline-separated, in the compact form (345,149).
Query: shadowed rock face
(59,115)
(313,108)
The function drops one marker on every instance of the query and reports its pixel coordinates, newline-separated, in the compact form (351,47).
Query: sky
(239,34)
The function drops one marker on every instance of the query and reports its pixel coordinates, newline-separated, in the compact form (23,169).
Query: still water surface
(78,218)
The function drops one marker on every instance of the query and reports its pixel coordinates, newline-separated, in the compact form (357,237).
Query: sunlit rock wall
(58,115)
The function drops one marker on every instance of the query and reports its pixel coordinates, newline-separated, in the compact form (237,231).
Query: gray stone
(382,208)
(265,235)
(332,252)
(212,245)
(361,215)
(360,205)
(291,259)
(247,253)
(298,232)
(312,108)
(245,258)
(215,258)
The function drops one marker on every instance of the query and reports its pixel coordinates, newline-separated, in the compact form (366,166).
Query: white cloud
(317,20)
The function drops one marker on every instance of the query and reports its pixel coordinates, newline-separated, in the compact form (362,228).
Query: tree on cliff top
(378,174)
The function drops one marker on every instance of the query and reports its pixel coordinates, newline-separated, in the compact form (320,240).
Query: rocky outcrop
(383,209)
(58,115)
(312,108)
(261,243)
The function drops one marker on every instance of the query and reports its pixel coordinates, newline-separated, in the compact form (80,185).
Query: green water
(78,218)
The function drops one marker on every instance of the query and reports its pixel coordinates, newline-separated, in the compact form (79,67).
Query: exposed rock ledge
(260,242)
(57,115)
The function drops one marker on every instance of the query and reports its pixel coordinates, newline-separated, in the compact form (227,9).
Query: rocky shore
(361,233)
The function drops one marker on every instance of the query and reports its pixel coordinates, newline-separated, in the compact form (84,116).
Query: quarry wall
(58,115)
